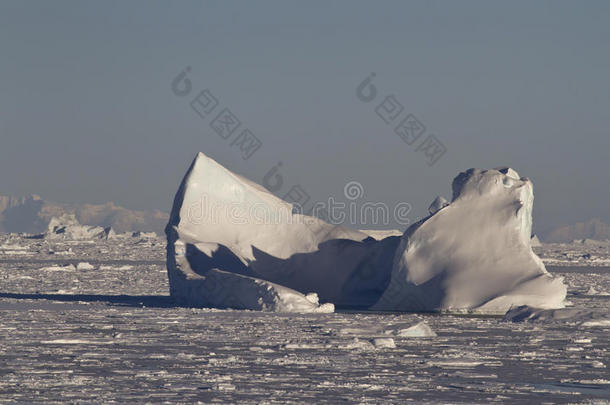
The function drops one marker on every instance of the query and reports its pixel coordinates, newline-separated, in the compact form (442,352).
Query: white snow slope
(231,243)
(474,253)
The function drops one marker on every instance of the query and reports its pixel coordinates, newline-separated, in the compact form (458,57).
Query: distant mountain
(32,215)
(592,229)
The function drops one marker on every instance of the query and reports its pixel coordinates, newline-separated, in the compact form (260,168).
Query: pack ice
(233,244)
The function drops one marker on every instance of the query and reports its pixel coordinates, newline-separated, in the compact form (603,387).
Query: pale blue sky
(87,111)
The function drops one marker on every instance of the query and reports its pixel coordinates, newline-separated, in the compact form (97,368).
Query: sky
(89,113)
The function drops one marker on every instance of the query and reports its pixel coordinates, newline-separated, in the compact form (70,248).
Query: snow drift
(233,244)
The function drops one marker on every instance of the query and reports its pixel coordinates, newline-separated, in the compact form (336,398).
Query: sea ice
(84,266)
(384,343)
(145,235)
(420,329)
(583,317)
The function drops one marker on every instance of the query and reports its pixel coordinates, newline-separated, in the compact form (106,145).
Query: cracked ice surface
(111,334)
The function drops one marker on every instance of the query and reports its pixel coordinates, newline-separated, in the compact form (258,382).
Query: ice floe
(418,330)
(579,316)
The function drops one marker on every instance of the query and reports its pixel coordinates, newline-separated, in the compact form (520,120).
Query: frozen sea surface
(107,332)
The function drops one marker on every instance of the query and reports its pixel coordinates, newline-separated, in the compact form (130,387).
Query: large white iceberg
(233,244)
(474,253)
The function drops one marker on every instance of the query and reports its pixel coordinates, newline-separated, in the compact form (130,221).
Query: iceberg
(475,253)
(232,244)
(67,227)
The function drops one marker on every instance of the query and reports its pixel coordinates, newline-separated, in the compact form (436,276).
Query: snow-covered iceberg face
(269,258)
(471,254)
(475,253)
(501,188)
